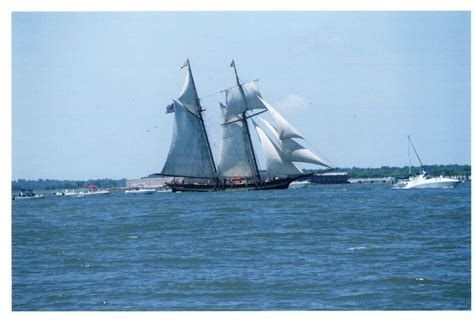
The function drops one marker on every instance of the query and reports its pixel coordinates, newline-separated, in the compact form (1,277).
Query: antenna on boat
(422,167)
(409,157)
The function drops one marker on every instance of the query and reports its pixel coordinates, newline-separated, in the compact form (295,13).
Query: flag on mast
(185,64)
(170,108)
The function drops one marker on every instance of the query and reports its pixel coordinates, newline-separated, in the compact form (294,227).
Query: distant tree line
(385,171)
(51,184)
(354,172)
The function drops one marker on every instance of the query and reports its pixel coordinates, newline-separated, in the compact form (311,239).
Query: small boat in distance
(66,193)
(92,190)
(137,190)
(299,184)
(423,180)
(27,195)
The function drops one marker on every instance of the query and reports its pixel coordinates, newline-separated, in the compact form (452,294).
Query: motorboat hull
(143,191)
(423,183)
(298,184)
(94,193)
(433,183)
(38,196)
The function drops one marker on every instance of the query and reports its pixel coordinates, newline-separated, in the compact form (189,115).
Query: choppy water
(339,247)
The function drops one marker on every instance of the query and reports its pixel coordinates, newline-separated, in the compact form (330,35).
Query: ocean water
(335,247)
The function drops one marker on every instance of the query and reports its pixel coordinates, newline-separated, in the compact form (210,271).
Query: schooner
(190,159)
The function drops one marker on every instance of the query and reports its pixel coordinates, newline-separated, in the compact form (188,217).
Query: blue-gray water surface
(335,247)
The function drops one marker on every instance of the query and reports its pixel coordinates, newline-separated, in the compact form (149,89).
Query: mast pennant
(185,64)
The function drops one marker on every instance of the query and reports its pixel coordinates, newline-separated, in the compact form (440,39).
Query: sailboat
(190,158)
(423,180)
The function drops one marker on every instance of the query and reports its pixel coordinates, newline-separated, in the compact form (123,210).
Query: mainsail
(190,154)
(241,160)
(235,159)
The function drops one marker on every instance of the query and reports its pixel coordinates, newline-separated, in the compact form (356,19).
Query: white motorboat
(299,184)
(92,190)
(67,193)
(27,195)
(423,180)
(137,190)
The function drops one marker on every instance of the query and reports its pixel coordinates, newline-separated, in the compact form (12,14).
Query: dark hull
(280,184)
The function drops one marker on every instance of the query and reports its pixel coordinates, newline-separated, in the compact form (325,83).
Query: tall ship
(190,158)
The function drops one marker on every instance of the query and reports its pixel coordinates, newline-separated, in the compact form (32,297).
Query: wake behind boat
(190,159)
(422,180)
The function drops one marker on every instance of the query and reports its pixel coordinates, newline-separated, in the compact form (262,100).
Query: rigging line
(320,154)
(213,94)
(240,119)
(242,83)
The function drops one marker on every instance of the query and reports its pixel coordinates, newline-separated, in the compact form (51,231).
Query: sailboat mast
(201,119)
(422,167)
(245,124)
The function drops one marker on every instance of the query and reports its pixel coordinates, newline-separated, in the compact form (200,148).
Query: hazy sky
(90,89)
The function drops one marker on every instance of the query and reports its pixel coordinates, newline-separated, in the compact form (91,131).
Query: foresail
(241,99)
(275,164)
(285,129)
(294,151)
(235,159)
(188,155)
(271,128)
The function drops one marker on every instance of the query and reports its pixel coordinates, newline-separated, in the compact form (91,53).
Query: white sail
(189,154)
(188,96)
(285,129)
(275,164)
(293,151)
(235,159)
(271,128)
(237,103)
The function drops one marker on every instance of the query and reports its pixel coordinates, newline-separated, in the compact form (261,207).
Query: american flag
(170,108)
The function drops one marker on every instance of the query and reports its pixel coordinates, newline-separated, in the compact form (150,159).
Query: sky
(89,89)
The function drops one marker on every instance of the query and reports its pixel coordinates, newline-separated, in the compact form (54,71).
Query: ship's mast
(245,124)
(201,119)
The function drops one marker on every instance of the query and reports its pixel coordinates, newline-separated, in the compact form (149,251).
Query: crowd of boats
(421,181)
(90,190)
